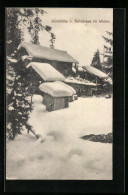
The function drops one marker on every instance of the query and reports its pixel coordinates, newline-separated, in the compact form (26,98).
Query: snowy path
(64,155)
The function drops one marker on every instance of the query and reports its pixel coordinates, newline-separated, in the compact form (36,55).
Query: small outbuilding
(99,77)
(46,71)
(73,97)
(56,95)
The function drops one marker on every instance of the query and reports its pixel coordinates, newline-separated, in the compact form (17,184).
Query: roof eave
(55,59)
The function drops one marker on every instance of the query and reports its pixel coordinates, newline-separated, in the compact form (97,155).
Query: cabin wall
(93,78)
(90,77)
(36,80)
(82,90)
(48,101)
(63,67)
(55,103)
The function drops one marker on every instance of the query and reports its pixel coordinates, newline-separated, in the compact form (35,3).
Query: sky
(80,40)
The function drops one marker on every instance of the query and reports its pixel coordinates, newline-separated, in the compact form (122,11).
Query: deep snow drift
(64,155)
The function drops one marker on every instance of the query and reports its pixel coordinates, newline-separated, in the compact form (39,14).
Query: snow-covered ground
(64,155)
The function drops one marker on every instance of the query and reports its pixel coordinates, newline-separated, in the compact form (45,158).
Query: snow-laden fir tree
(108,53)
(20,80)
(96,60)
(18,104)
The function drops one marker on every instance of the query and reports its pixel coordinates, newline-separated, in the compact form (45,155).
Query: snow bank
(64,155)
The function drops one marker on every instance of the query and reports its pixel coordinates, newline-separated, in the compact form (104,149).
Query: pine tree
(34,24)
(13,30)
(108,54)
(19,105)
(96,60)
(20,79)
(108,40)
(52,40)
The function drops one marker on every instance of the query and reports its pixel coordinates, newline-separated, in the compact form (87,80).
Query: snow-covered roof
(95,71)
(42,52)
(109,80)
(46,71)
(56,89)
(74,81)
(69,87)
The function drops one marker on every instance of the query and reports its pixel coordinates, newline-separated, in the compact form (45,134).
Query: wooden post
(96,85)
(31,103)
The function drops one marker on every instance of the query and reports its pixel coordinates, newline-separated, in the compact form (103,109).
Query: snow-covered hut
(95,72)
(73,97)
(46,71)
(99,77)
(59,59)
(56,95)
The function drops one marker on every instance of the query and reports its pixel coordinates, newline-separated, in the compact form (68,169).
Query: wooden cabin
(55,95)
(49,74)
(43,72)
(103,81)
(39,57)
(60,60)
